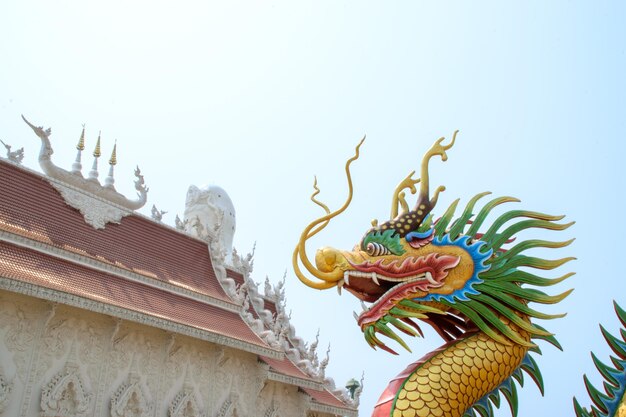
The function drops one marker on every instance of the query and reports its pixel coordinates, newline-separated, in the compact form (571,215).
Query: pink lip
(438,266)
(434,263)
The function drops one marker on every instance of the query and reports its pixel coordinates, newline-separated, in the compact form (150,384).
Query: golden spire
(113,159)
(96,152)
(81,141)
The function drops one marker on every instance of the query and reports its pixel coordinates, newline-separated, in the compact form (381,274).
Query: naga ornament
(465,274)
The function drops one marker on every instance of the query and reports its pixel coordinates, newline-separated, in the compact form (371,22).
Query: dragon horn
(436,150)
(329,279)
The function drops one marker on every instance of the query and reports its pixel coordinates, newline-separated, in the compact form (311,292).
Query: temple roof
(138,268)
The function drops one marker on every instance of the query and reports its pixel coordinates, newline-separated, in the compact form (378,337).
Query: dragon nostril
(327,259)
(330,258)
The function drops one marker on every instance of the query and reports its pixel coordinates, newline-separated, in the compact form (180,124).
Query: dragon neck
(451,379)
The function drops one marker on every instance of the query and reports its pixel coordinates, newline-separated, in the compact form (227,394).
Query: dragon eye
(376,249)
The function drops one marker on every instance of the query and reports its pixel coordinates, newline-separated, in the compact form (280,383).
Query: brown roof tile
(235,276)
(286,367)
(325,397)
(46,271)
(31,207)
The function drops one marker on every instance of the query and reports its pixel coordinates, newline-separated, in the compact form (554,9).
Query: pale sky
(258,97)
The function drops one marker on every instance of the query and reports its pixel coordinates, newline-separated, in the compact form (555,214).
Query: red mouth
(371,280)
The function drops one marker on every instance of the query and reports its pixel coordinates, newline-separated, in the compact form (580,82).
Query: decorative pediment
(185,404)
(132,399)
(66,395)
(99,204)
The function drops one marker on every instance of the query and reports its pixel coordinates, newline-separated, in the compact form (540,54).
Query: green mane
(504,288)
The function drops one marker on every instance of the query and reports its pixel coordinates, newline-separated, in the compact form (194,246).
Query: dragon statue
(472,283)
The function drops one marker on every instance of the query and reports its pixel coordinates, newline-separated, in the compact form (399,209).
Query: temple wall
(57,360)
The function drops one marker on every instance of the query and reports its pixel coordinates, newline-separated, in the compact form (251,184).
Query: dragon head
(443,272)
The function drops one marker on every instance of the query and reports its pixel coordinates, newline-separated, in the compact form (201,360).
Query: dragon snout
(327,259)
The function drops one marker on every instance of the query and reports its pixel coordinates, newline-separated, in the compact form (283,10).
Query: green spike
(483,411)
(523,225)
(495,399)
(482,215)
(506,312)
(400,312)
(421,307)
(391,334)
(511,397)
(426,223)
(529,261)
(440,227)
(524,277)
(522,307)
(614,343)
(580,412)
(478,321)
(596,396)
(526,245)
(513,214)
(518,376)
(461,222)
(550,339)
(529,294)
(403,327)
(603,369)
(535,374)
(621,314)
(489,315)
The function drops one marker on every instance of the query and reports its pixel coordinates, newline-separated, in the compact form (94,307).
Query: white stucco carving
(98,211)
(214,209)
(137,371)
(132,398)
(14,156)
(185,403)
(227,409)
(157,215)
(66,394)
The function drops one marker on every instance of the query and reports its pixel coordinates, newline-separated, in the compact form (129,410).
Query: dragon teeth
(339,286)
(375,278)
(346,278)
(429,278)
(363,306)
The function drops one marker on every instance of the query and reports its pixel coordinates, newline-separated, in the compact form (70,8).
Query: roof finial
(108,182)
(77,165)
(113,160)
(93,174)
(96,152)
(81,141)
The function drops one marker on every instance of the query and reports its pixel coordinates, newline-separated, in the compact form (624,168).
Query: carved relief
(85,193)
(84,335)
(186,403)
(96,213)
(229,407)
(132,398)
(67,394)
(213,209)
(19,318)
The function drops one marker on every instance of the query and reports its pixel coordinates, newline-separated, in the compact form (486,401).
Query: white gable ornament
(99,204)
